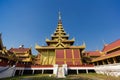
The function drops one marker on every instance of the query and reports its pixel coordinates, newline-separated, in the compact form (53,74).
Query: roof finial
(104,43)
(84,44)
(59,15)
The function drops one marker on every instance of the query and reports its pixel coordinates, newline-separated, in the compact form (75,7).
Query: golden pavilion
(60,49)
(24,55)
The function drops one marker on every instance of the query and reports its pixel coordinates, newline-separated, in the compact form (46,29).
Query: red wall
(68,56)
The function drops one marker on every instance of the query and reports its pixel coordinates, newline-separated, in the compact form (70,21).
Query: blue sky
(28,22)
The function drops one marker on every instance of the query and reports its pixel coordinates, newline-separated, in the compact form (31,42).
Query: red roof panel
(111,45)
(19,50)
(113,54)
(93,53)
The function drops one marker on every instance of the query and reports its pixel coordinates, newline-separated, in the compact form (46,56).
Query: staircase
(60,72)
(8,72)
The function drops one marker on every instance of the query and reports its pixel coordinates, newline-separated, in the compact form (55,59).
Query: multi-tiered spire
(59,38)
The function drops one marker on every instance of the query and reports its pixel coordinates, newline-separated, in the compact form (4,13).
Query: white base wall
(55,69)
(9,72)
(109,69)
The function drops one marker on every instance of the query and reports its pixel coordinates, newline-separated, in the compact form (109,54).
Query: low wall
(7,72)
(109,69)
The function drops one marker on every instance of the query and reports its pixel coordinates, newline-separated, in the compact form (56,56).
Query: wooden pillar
(114,60)
(77,71)
(108,61)
(33,71)
(42,71)
(87,71)
(80,56)
(55,56)
(73,60)
(64,56)
(19,72)
(48,57)
(97,63)
(103,62)
(22,72)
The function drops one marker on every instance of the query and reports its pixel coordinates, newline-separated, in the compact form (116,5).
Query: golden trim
(106,57)
(64,56)
(80,56)
(48,56)
(41,59)
(73,57)
(55,56)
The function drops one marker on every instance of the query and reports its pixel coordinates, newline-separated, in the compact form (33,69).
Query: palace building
(60,49)
(110,54)
(60,57)
(109,61)
(88,56)
(24,55)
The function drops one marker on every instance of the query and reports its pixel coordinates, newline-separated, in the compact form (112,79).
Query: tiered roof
(19,50)
(59,39)
(24,54)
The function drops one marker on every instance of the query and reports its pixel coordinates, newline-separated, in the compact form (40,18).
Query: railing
(4,64)
(37,66)
(84,65)
(32,66)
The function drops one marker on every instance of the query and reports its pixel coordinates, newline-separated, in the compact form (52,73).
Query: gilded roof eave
(49,41)
(105,57)
(61,36)
(37,47)
(63,41)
